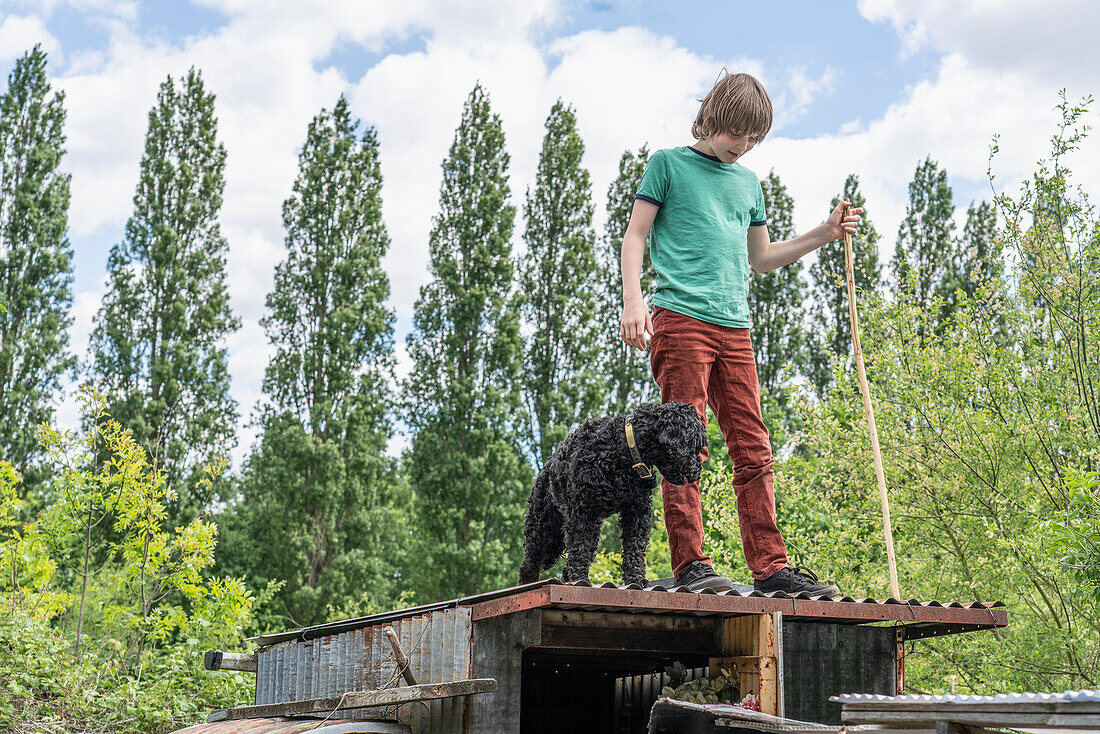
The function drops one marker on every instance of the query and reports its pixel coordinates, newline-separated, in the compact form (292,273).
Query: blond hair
(737,104)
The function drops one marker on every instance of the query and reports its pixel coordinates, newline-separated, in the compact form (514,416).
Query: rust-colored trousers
(705,364)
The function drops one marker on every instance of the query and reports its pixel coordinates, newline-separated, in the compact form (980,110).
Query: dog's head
(675,436)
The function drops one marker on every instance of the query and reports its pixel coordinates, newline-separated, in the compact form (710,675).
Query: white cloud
(19,33)
(799,94)
(1052,42)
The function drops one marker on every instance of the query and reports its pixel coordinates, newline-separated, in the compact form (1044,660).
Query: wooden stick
(399,654)
(868,411)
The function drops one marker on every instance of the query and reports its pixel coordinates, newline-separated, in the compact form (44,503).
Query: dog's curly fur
(589,478)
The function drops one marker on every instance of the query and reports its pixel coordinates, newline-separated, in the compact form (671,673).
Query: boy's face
(728,147)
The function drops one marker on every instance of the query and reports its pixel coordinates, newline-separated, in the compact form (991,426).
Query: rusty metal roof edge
(331,628)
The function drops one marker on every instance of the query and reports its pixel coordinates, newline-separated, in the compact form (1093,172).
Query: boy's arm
(765,255)
(636,319)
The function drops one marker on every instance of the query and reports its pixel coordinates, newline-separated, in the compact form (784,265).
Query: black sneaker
(698,576)
(795,581)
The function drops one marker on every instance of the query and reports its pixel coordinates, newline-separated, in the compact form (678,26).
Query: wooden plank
(358,699)
(753,637)
(218,660)
(899,660)
(768,650)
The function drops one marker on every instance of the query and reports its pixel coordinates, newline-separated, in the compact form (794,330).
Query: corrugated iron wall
(823,660)
(438,646)
(635,696)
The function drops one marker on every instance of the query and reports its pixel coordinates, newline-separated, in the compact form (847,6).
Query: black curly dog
(591,477)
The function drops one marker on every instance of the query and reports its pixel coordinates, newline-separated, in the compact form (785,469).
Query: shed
(582,658)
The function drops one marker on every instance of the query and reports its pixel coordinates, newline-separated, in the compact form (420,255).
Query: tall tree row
(626,369)
(159,343)
(776,298)
(829,294)
(562,383)
(924,260)
(35,258)
(978,252)
(316,497)
(465,465)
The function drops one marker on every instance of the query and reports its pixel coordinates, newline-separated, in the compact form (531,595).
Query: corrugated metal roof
(1029,712)
(1012,699)
(553,593)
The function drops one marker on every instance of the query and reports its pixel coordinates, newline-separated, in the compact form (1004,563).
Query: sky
(869,87)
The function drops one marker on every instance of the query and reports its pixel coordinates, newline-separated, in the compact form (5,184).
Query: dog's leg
(543,537)
(582,537)
(634,525)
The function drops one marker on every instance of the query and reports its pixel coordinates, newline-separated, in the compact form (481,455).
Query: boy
(706,212)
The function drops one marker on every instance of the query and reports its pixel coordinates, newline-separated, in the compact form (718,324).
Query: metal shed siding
(438,646)
(822,660)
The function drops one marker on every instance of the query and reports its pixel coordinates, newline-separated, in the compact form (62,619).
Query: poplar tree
(776,298)
(924,257)
(158,347)
(562,384)
(315,496)
(626,369)
(832,328)
(35,258)
(464,465)
(978,250)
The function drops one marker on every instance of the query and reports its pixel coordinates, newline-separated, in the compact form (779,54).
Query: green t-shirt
(699,240)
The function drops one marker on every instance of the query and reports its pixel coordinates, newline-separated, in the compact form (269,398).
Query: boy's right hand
(636,323)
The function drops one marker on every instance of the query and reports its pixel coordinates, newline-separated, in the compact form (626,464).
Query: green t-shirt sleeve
(655,179)
(757,216)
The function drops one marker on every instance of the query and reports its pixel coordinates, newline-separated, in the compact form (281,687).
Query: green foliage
(26,570)
(562,383)
(626,369)
(149,586)
(318,510)
(158,346)
(978,250)
(465,468)
(35,259)
(1075,531)
(42,688)
(145,613)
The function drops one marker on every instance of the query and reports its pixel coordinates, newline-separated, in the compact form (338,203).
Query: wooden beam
(218,660)
(899,659)
(751,646)
(608,631)
(358,699)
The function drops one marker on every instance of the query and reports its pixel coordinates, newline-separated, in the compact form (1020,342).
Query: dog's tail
(543,535)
